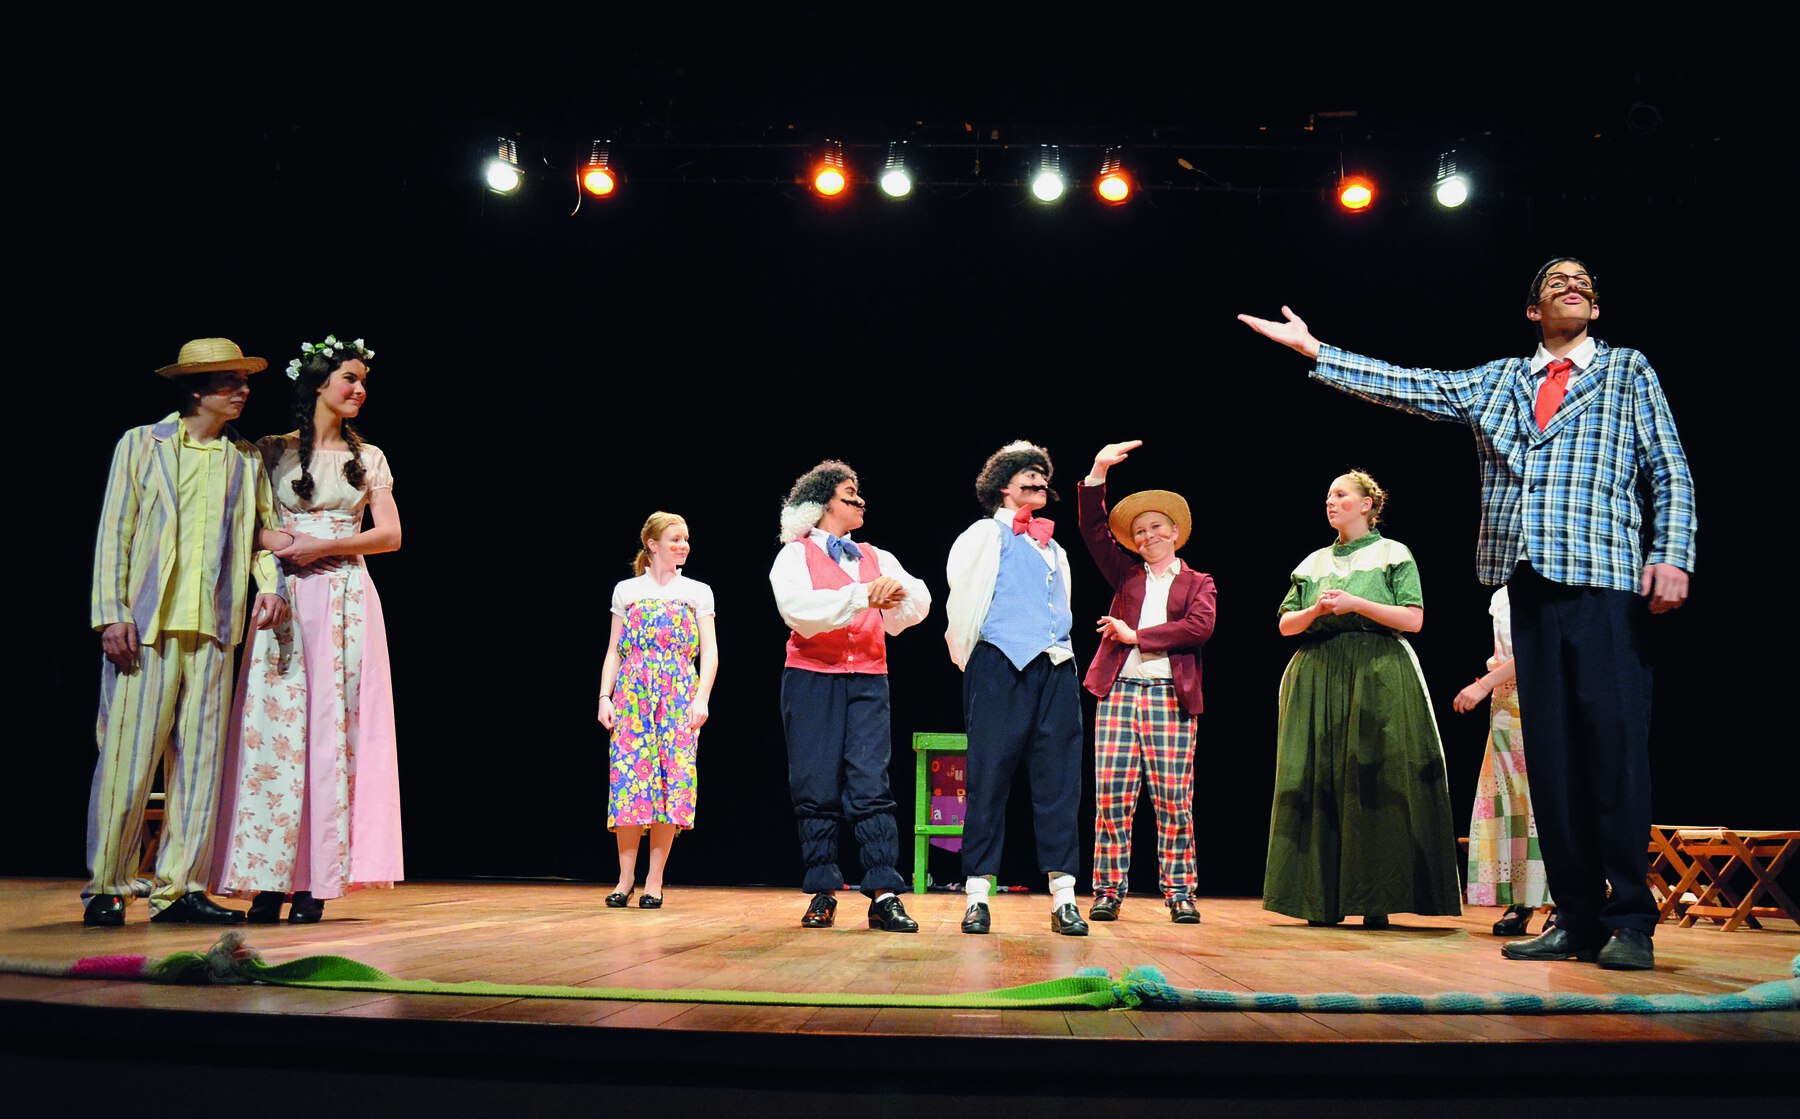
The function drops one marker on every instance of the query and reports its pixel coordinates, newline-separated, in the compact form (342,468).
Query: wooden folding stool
(1720,860)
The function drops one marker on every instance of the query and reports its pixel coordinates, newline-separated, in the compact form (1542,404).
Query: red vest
(860,646)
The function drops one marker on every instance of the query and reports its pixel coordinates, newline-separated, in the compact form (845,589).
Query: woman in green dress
(1361,823)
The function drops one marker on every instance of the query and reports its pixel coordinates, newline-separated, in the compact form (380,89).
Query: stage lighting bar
(830,175)
(1356,193)
(896,175)
(503,174)
(1452,188)
(1114,186)
(1047,183)
(599,178)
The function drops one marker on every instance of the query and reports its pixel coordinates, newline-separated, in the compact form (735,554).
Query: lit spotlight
(1452,188)
(1356,193)
(1047,183)
(503,174)
(829,176)
(896,176)
(598,178)
(1114,185)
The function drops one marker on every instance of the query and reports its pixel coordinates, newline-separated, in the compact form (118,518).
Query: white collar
(1582,356)
(1174,570)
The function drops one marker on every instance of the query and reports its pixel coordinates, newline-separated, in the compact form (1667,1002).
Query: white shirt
(1582,356)
(974,568)
(681,587)
(810,611)
(1152,666)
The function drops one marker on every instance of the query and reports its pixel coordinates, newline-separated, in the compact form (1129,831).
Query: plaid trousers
(1140,731)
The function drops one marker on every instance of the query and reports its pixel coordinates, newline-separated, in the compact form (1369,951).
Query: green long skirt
(1361,822)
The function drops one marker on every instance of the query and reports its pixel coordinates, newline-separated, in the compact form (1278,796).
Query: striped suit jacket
(134,551)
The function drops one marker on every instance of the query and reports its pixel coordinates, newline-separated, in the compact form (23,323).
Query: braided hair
(315,370)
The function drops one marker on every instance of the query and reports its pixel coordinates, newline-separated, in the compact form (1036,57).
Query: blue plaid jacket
(1569,499)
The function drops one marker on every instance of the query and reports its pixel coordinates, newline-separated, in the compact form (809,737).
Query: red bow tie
(1039,527)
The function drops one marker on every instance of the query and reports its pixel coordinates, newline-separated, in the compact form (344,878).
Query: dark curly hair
(997,472)
(820,483)
(315,370)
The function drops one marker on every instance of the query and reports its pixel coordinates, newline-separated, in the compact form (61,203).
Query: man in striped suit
(178,541)
(1567,437)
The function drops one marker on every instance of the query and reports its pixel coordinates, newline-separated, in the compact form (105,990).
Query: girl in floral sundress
(654,701)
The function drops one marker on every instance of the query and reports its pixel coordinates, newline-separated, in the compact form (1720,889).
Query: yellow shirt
(199,496)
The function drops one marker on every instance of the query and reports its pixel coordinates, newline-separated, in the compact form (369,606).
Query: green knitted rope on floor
(1142,988)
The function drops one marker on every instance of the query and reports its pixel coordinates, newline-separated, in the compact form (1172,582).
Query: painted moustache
(1052,494)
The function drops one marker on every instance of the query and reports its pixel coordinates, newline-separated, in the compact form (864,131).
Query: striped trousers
(1142,737)
(172,709)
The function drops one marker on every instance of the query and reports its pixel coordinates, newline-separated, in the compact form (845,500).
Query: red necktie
(1038,527)
(1552,391)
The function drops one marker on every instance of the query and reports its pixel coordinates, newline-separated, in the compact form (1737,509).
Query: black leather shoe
(1375,921)
(617,900)
(889,915)
(1628,950)
(1183,911)
(821,913)
(265,908)
(1105,908)
(1552,944)
(105,911)
(650,901)
(197,909)
(306,909)
(1516,922)
(975,918)
(1066,919)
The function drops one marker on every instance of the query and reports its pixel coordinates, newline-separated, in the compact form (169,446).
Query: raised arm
(1292,333)
(1114,562)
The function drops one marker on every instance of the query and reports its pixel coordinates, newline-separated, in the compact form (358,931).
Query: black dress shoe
(1066,919)
(306,909)
(265,908)
(650,901)
(1628,950)
(105,911)
(617,900)
(889,915)
(1182,911)
(1552,944)
(976,920)
(821,913)
(197,909)
(1375,921)
(1105,908)
(1516,922)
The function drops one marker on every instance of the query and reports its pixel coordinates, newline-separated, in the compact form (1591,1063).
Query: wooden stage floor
(750,939)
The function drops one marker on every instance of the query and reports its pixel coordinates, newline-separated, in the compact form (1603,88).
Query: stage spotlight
(829,176)
(1114,185)
(598,178)
(896,176)
(1452,188)
(503,174)
(1047,183)
(1356,193)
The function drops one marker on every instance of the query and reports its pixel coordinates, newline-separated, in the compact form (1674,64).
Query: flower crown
(331,347)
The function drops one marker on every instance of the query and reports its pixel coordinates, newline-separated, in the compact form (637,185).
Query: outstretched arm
(1114,562)
(1292,333)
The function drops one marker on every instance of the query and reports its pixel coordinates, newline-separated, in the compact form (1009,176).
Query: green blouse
(1371,567)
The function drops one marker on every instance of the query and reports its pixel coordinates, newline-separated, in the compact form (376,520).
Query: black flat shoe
(1553,944)
(1375,921)
(1516,922)
(1183,911)
(1066,919)
(889,915)
(306,909)
(649,901)
(620,901)
(197,909)
(1628,950)
(976,919)
(1324,924)
(104,911)
(1105,908)
(265,908)
(820,913)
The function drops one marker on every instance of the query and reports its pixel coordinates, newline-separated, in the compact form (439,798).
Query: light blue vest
(1030,611)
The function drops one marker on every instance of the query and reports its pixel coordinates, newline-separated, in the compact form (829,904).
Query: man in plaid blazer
(1566,440)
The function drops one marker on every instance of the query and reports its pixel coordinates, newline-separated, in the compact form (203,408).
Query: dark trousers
(1584,712)
(839,746)
(1033,715)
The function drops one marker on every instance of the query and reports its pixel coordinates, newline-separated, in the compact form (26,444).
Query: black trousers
(1584,712)
(1012,715)
(839,746)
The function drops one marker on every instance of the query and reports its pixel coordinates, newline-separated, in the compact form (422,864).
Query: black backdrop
(545,381)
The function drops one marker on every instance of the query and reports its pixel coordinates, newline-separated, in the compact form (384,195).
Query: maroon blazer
(1191,608)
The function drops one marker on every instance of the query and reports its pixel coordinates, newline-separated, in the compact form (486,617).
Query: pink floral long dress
(311,791)
(654,751)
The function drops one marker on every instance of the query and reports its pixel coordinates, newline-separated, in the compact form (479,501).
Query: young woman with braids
(312,791)
(1361,822)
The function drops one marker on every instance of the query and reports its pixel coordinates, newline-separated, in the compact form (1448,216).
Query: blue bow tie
(837,548)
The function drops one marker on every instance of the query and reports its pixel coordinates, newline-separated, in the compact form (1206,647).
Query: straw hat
(1166,502)
(209,355)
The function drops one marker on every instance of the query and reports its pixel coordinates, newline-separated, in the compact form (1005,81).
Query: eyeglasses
(1558,282)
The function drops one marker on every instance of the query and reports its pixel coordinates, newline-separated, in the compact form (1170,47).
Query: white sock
(977,890)
(883,896)
(1062,889)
